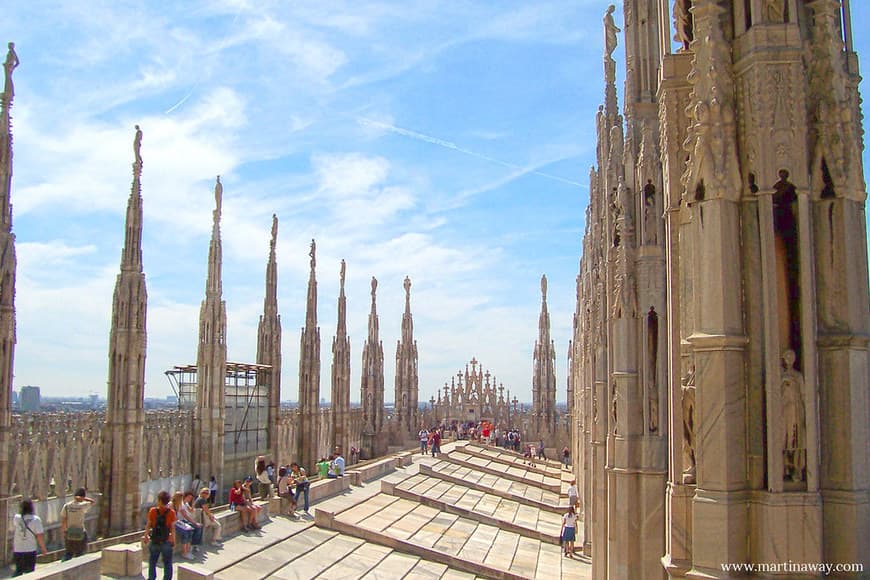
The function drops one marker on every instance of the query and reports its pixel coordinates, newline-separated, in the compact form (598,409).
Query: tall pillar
(341,375)
(121,436)
(407,387)
(8,266)
(211,363)
(838,212)
(372,385)
(309,376)
(269,344)
(544,377)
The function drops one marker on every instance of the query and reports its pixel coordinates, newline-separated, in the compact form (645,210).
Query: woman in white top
(28,533)
(568,532)
(573,495)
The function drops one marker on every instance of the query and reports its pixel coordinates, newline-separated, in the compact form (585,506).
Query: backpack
(160,531)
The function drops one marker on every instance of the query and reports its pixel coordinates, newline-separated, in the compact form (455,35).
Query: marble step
(506,488)
(459,542)
(515,473)
(511,458)
(314,552)
(481,506)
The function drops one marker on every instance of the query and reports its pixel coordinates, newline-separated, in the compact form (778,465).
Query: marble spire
(211,362)
(372,385)
(544,377)
(8,268)
(269,342)
(121,436)
(309,374)
(341,374)
(407,387)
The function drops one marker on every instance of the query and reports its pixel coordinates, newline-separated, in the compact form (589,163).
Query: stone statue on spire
(374,287)
(312,253)
(218,196)
(274,232)
(610,31)
(137,146)
(10,65)
(407,289)
(342,274)
(544,287)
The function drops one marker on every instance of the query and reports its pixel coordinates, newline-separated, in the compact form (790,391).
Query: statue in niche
(614,410)
(10,65)
(774,11)
(650,223)
(610,32)
(683,23)
(652,337)
(793,420)
(688,405)
(594,408)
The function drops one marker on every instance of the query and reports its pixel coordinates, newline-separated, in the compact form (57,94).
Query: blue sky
(450,142)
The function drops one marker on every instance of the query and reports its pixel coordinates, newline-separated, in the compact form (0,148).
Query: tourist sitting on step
(237,503)
(300,480)
(249,499)
(336,467)
(188,514)
(323,466)
(207,518)
(285,492)
(183,530)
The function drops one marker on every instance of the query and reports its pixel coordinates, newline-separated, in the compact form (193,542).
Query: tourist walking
(424,440)
(207,519)
(212,490)
(573,495)
(566,456)
(436,442)
(300,479)
(28,536)
(72,524)
(160,536)
(568,531)
(541,451)
(195,485)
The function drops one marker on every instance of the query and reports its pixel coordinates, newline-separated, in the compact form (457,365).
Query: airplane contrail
(199,80)
(454,147)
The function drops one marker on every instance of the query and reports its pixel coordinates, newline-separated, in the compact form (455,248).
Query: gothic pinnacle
(131,255)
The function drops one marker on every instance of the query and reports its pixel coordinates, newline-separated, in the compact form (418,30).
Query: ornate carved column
(121,461)
(269,343)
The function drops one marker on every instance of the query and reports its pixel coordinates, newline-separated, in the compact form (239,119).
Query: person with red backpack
(160,536)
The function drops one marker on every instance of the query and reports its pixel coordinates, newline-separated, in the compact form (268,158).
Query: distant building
(29,399)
